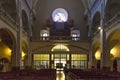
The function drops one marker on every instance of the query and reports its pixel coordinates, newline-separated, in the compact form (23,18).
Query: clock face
(60,15)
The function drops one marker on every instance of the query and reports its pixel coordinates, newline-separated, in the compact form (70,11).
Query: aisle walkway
(60,75)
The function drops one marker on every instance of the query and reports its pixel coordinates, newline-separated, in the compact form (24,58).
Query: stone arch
(25,22)
(112,8)
(96,54)
(7,47)
(10,7)
(113,39)
(95,22)
(113,46)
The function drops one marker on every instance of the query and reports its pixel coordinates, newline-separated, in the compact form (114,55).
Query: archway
(96,52)
(60,56)
(112,8)
(25,22)
(95,23)
(10,7)
(113,47)
(7,48)
(24,55)
(44,34)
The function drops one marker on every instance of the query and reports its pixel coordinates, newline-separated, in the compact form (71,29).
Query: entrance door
(59,61)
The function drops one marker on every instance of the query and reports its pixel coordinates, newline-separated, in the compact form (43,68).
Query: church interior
(59,40)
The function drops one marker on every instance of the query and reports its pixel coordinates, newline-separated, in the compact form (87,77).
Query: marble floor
(60,75)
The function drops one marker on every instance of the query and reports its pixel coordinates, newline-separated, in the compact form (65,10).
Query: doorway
(59,60)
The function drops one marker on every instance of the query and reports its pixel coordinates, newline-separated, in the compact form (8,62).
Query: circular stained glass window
(60,15)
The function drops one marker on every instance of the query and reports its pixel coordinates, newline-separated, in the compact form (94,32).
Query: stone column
(104,59)
(50,60)
(13,57)
(90,60)
(16,62)
(29,55)
(103,52)
(90,36)
(70,60)
(29,59)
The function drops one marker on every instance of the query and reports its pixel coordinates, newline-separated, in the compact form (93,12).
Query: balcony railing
(114,19)
(24,32)
(4,15)
(96,33)
(107,26)
(60,38)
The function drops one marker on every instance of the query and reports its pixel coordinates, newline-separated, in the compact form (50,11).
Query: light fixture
(8,51)
(113,52)
(98,55)
(99,28)
(23,54)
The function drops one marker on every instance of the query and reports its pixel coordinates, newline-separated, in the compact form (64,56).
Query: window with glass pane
(41,61)
(79,61)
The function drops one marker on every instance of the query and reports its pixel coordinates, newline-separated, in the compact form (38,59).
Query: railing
(111,21)
(24,32)
(60,38)
(107,26)
(7,18)
(96,33)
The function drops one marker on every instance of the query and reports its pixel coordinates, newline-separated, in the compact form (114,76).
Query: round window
(60,15)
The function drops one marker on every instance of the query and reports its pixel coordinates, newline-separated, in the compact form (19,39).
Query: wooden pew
(77,74)
(49,74)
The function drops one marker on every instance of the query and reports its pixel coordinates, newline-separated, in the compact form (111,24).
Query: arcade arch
(113,47)
(7,49)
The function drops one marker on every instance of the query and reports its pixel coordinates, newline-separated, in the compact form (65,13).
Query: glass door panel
(59,61)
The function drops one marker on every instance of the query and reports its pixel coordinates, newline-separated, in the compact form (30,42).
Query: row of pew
(43,74)
(77,74)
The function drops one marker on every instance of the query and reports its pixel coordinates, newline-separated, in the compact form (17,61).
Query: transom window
(60,47)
